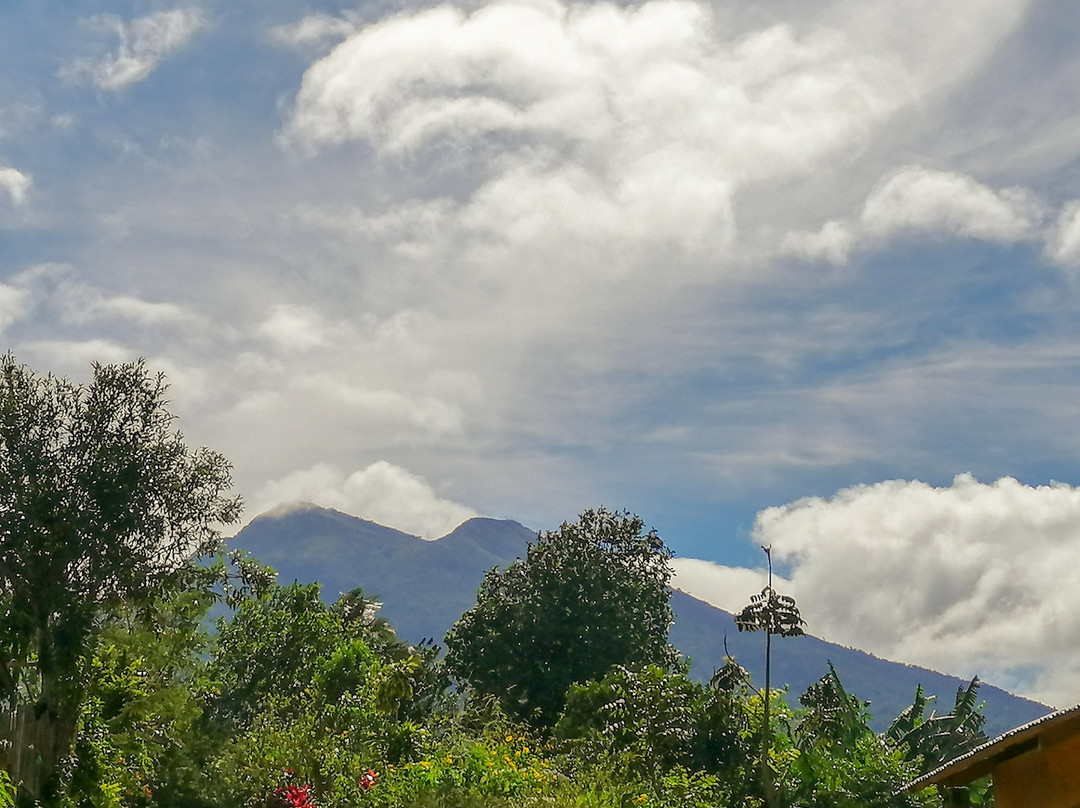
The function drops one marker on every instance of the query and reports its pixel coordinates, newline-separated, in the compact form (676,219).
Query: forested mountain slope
(426,585)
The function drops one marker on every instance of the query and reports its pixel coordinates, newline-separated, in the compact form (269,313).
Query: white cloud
(969,579)
(314,31)
(143,312)
(14,305)
(14,184)
(1063,244)
(426,414)
(919,202)
(926,201)
(833,243)
(381,492)
(293,328)
(73,357)
(141,46)
(595,125)
(727,588)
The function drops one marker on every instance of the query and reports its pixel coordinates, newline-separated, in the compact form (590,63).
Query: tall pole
(766,778)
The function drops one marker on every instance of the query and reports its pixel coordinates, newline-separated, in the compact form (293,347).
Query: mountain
(426,585)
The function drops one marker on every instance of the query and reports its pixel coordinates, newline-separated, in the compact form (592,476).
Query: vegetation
(776,614)
(567,692)
(591,595)
(103,509)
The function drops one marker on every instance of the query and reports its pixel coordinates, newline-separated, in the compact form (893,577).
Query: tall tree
(588,596)
(102,506)
(776,614)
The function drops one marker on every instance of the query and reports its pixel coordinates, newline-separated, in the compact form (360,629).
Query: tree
(326,691)
(102,506)
(841,761)
(644,722)
(774,614)
(588,596)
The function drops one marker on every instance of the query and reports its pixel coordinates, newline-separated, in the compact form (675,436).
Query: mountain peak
(305,511)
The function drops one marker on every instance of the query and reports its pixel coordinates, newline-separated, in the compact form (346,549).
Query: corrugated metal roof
(978,761)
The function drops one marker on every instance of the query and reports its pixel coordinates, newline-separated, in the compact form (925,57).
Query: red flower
(368,779)
(295,796)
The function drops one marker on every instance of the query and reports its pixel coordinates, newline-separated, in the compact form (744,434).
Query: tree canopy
(588,596)
(102,505)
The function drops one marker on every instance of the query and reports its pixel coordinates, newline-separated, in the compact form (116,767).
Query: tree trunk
(766,730)
(35,744)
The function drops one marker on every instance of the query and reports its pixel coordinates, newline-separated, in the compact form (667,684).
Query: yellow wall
(1041,778)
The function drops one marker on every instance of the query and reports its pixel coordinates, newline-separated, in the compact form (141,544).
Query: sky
(803,273)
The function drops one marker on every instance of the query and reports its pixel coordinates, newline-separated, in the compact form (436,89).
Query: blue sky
(755,271)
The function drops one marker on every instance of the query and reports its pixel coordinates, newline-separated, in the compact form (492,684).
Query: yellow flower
(425,763)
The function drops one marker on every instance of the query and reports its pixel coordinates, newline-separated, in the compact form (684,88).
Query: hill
(426,585)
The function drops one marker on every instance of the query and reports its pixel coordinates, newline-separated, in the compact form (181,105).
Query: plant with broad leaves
(929,741)
(841,761)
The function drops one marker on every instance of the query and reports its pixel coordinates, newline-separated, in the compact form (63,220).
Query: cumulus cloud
(14,184)
(972,578)
(141,46)
(381,492)
(922,200)
(596,123)
(918,201)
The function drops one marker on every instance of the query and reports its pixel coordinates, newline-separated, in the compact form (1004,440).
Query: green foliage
(588,596)
(7,790)
(638,736)
(841,761)
(328,692)
(577,700)
(650,720)
(270,651)
(140,724)
(772,613)
(102,507)
(833,717)
(930,741)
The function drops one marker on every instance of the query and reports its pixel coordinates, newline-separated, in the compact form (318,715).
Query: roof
(979,761)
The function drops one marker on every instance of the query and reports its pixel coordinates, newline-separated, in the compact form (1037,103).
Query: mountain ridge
(425,585)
